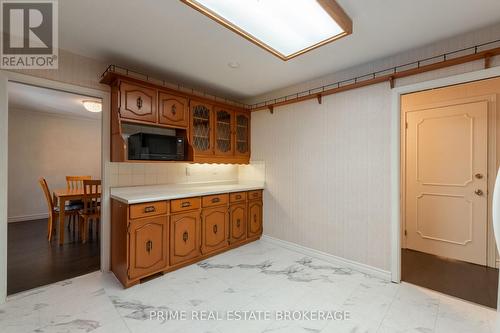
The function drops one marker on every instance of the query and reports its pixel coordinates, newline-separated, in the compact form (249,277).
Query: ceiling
(168,39)
(32,98)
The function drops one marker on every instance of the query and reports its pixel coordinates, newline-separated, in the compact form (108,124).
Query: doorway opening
(449,160)
(54,173)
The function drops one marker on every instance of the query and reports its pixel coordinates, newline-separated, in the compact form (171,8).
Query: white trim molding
(377,272)
(396,151)
(22,218)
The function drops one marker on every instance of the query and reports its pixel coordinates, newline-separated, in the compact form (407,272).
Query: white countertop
(140,194)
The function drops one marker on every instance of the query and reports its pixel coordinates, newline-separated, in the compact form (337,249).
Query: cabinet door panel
(224,139)
(254,218)
(173,110)
(137,102)
(242,134)
(184,237)
(214,229)
(201,128)
(148,246)
(237,223)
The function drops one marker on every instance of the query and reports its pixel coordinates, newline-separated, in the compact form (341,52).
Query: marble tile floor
(260,276)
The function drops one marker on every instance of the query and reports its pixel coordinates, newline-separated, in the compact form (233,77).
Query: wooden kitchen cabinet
(237,222)
(201,128)
(215,228)
(254,218)
(184,236)
(157,237)
(148,246)
(224,131)
(137,102)
(242,135)
(173,110)
(215,131)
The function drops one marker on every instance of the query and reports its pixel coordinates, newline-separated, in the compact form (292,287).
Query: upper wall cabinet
(242,134)
(201,128)
(137,102)
(215,132)
(224,130)
(173,110)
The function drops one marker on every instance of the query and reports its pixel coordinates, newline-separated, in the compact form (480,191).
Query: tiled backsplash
(132,174)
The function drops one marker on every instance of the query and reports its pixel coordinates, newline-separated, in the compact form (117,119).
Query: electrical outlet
(188,171)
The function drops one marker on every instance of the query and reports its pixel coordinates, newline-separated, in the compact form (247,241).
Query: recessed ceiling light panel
(92,106)
(286,28)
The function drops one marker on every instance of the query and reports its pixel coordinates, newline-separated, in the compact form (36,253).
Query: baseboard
(22,218)
(380,273)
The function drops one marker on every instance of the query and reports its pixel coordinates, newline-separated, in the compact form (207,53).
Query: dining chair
(91,211)
(75,183)
(70,210)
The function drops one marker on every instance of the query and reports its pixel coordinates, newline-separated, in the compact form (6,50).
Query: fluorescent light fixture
(92,106)
(286,28)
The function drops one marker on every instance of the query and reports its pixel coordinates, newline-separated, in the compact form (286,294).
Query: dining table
(63,195)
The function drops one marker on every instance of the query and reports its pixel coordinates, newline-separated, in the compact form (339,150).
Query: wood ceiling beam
(486,55)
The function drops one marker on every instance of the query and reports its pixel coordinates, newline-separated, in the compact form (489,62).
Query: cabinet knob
(478,192)
(215,200)
(185,236)
(238,223)
(139,102)
(255,219)
(478,176)
(173,109)
(215,228)
(185,204)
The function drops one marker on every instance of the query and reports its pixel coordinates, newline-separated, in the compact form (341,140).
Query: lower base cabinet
(184,240)
(147,244)
(254,218)
(158,237)
(238,223)
(214,226)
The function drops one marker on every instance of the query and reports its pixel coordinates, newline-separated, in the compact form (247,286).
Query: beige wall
(36,151)
(327,166)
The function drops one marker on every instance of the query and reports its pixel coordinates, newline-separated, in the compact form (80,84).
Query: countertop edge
(194,193)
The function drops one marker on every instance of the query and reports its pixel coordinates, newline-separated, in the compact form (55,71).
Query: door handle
(238,223)
(149,246)
(215,228)
(139,102)
(479,192)
(185,236)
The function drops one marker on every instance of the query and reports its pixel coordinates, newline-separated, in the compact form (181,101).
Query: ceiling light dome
(92,106)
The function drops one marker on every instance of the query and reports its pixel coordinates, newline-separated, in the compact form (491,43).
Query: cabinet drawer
(254,194)
(180,205)
(237,196)
(148,209)
(215,200)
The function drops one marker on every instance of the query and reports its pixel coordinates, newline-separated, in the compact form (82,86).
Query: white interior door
(446,181)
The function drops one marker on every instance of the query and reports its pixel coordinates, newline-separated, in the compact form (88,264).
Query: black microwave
(155,147)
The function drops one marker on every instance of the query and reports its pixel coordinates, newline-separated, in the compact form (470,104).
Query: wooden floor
(471,282)
(32,261)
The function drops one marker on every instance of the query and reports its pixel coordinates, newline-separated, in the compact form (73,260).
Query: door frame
(104,95)
(395,133)
(491,168)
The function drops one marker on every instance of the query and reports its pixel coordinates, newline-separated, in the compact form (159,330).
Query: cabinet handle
(185,236)
(149,209)
(255,219)
(149,246)
(139,102)
(174,109)
(238,223)
(215,228)
(185,204)
(215,200)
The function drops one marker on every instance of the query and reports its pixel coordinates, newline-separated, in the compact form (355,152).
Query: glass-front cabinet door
(223,132)
(201,128)
(242,134)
